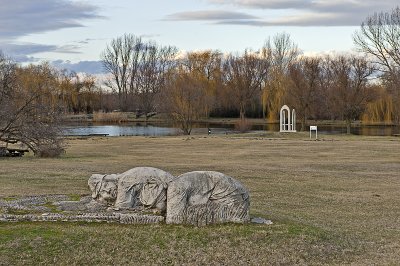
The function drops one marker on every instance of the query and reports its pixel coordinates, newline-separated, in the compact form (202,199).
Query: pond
(120,130)
(163,129)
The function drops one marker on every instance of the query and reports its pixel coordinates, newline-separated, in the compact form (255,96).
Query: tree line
(146,77)
(150,77)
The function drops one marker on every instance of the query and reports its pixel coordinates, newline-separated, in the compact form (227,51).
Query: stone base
(57,208)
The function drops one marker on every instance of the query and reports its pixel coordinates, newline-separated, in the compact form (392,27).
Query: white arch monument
(287,119)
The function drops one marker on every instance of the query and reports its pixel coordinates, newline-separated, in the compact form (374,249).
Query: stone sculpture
(199,198)
(206,197)
(104,188)
(138,188)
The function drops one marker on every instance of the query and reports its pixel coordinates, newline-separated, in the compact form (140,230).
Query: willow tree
(281,51)
(183,98)
(381,109)
(379,37)
(207,66)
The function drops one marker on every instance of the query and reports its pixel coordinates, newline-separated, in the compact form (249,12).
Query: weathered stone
(140,187)
(259,220)
(104,188)
(206,197)
(85,204)
(197,198)
(143,186)
(86,217)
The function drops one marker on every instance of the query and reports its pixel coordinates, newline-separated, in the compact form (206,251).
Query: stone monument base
(57,208)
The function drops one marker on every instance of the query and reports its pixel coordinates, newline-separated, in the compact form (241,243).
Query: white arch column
(290,126)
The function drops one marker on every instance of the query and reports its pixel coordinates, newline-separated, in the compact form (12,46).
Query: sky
(73,33)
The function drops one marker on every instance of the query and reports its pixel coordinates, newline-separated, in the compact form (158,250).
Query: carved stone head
(104,188)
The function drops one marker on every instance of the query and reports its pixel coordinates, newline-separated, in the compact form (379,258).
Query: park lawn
(333,201)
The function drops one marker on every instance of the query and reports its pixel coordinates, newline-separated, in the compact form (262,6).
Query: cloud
(266,4)
(299,12)
(209,15)
(26,48)
(90,67)
(313,5)
(26,17)
(22,52)
(302,20)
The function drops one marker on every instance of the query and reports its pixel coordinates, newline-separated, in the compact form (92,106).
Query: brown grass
(334,201)
(114,117)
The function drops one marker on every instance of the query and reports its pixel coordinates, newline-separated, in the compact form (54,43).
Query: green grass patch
(74,197)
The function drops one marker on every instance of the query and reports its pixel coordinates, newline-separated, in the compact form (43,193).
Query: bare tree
(137,68)
(244,76)
(379,37)
(306,77)
(121,60)
(349,90)
(29,108)
(155,63)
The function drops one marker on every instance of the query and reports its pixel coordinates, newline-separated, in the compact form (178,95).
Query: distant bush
(115,117)
(243,125)
(50,150)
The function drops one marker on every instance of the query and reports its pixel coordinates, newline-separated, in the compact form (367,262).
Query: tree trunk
(303,123)
(242,112)
(348,126)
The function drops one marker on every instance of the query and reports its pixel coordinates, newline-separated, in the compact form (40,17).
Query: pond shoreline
(162,119)
(155,129)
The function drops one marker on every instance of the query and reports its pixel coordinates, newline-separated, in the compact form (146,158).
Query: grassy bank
(333,201)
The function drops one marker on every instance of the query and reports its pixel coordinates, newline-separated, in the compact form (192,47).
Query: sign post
(314,128)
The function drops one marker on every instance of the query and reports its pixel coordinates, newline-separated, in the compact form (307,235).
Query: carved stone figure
(206,197)
(104,188)
(199,198)
(140,187)
(143,186)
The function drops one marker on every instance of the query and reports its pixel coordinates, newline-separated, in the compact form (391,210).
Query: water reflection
(120,130)
(142,129)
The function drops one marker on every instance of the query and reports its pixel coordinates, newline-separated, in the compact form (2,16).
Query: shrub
(243,125)
(116,117)
(50,150)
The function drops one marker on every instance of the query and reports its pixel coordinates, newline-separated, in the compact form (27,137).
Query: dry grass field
(335,201)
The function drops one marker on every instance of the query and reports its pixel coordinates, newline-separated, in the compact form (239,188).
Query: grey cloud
(35,16)
(26,48)
(68,49)
(320,20)
(310,12)
(22,52)
(321,5)
(267,4)
(209,15)
(90,67)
